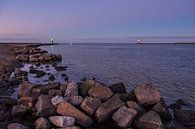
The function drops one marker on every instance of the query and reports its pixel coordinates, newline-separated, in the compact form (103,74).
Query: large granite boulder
(62,121)
(107,108)
(90,105)
(42,123)
(118,88)
(66,109)
(44,106)
(150,120)
(71,89)
(124,116)
(101,92)
(147,95)
(17,126)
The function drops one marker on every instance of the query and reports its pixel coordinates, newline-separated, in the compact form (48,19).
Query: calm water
(171,67)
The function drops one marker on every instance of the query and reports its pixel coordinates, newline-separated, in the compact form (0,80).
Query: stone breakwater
(34,54)
(88,104)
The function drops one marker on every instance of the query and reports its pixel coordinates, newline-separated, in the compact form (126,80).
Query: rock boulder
(44,106)
(147,95)
(124,116)
(101,92)
(42,123)
(90,105)
(107,108)
(150,120)
(66,109)
(62,121)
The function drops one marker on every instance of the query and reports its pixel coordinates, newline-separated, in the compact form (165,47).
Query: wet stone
(124,116)
(44,106)
(147,95)
(71,89)
(101,92)
(42,123)
(106,109)
(90,105)
(60,68)
(80,117)
(62,121)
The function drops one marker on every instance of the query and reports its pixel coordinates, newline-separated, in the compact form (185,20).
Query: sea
(170,67)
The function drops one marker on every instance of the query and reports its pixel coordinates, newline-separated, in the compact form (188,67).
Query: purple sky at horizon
(78,21)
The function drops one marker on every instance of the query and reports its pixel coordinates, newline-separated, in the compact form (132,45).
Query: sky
(94,20)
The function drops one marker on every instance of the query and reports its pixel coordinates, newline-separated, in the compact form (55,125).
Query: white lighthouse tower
(138,41)
(52,41)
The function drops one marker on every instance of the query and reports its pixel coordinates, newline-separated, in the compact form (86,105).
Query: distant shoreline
(46,44)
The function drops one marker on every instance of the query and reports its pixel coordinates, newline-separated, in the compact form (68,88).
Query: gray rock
(101,92)
(57,99)
(107,108)
(44,106)
(17,126)
(71,90)
(124,116)
(90,105)
(62,121)
(150,120)
(75,100)
(42,123)
(147,95)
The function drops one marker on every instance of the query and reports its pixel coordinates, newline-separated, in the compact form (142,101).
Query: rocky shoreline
(88,104)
